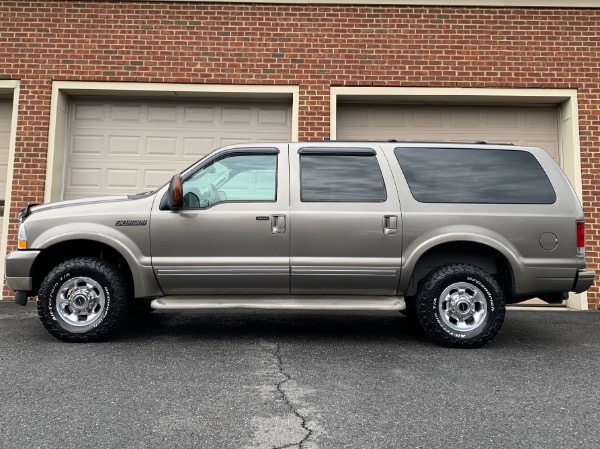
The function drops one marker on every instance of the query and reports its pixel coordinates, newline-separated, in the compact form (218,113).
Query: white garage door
(5,119)
(532,126)
(126,146)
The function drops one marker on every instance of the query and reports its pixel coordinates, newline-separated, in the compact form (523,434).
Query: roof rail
(477,142)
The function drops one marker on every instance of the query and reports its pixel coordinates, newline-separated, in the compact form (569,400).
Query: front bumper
(18,270)
(583,280)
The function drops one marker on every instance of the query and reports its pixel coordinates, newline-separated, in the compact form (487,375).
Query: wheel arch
(487,257)
(141,277)
(69,249)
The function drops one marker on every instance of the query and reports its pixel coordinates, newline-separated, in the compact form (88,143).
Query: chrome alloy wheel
(80,301)
(463,306)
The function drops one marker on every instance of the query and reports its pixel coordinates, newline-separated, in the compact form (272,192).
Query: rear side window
(455,175)
(341,178)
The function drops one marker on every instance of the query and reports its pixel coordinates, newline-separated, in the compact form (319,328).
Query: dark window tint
(451,175)
(326,177)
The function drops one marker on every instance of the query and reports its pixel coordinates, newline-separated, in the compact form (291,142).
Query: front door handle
(390,225)
(278,224)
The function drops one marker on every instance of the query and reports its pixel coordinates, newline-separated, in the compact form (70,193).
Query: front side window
(233,177)
(341,178)
(461,175)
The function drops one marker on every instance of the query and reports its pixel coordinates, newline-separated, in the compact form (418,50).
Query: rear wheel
(82,300)
(460,305)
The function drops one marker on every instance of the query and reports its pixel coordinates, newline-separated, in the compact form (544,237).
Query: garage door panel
(539,118)
(503,118)
(115,179)
(84,177)
(122,178)
(465,119)
(236,116)
(198,146)
(161,146)
(88,145)
(163,114)
(535,126)
(203,115)
(153,178)
(89,113)
(278,117)
(126,146)
(425,118)
(124,113)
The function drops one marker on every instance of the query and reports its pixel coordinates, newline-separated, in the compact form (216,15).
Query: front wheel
(460,306)
(82,300)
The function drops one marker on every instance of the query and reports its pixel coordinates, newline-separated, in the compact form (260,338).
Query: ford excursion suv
(448,233)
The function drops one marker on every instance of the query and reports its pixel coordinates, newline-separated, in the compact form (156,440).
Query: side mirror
(175,193)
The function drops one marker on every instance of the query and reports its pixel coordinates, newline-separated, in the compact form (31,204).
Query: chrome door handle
(278,224)
(390,225)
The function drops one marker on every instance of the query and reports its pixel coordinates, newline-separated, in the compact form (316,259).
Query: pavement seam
(287,400)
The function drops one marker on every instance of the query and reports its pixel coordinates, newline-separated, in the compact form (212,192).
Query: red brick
(45,41)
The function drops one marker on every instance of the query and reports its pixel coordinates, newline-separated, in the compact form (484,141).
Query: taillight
(580,238)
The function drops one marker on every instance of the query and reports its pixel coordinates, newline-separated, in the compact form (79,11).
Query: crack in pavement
(287,400)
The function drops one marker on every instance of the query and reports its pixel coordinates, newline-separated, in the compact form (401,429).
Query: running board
(303,302)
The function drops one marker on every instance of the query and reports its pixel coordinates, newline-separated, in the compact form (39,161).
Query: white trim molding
(564,99)
(62,90)
(9,88)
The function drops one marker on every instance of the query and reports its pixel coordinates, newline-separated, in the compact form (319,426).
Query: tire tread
(113,318)
(425,297)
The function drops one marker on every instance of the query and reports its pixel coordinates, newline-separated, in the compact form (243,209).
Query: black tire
(460,306)
(83,300)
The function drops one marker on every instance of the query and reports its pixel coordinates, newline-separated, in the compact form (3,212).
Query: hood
(33,208)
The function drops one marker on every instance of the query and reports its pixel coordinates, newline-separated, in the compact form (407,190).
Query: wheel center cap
(462,307)
(80,301)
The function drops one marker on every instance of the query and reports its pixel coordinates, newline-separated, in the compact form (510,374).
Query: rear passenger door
(346,235)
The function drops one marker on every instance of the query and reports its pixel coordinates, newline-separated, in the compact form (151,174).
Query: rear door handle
(278,224)
(390,225)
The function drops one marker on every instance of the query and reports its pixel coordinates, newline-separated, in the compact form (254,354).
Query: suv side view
(449,233)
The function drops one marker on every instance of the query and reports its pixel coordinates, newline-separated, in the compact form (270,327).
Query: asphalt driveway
(311,380)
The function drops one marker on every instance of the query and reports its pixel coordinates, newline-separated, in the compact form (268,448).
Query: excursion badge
(131,222)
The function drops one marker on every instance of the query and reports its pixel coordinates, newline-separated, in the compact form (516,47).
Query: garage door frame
(9,88)
(564,99)
(62,90)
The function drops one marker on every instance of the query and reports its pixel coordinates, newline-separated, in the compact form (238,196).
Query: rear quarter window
(460,175)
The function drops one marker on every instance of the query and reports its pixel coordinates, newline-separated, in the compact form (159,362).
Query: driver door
(230,236)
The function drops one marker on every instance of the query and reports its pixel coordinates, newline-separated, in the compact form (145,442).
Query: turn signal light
(22,237)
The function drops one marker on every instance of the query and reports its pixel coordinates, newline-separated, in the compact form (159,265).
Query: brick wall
(312,46)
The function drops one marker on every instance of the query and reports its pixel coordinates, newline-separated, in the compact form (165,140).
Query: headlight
(22,237)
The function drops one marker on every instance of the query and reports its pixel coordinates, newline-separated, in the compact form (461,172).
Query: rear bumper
(583,280)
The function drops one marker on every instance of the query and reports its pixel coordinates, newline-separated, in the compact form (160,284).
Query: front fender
(139,263)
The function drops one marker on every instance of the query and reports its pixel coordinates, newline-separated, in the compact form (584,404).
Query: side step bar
(303,302)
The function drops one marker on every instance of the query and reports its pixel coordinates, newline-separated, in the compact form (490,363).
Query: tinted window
(451,175)
(237,177)
(348,178)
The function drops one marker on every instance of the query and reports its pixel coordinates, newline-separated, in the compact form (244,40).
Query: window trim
(337,151)
(213,157)
(396,149)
